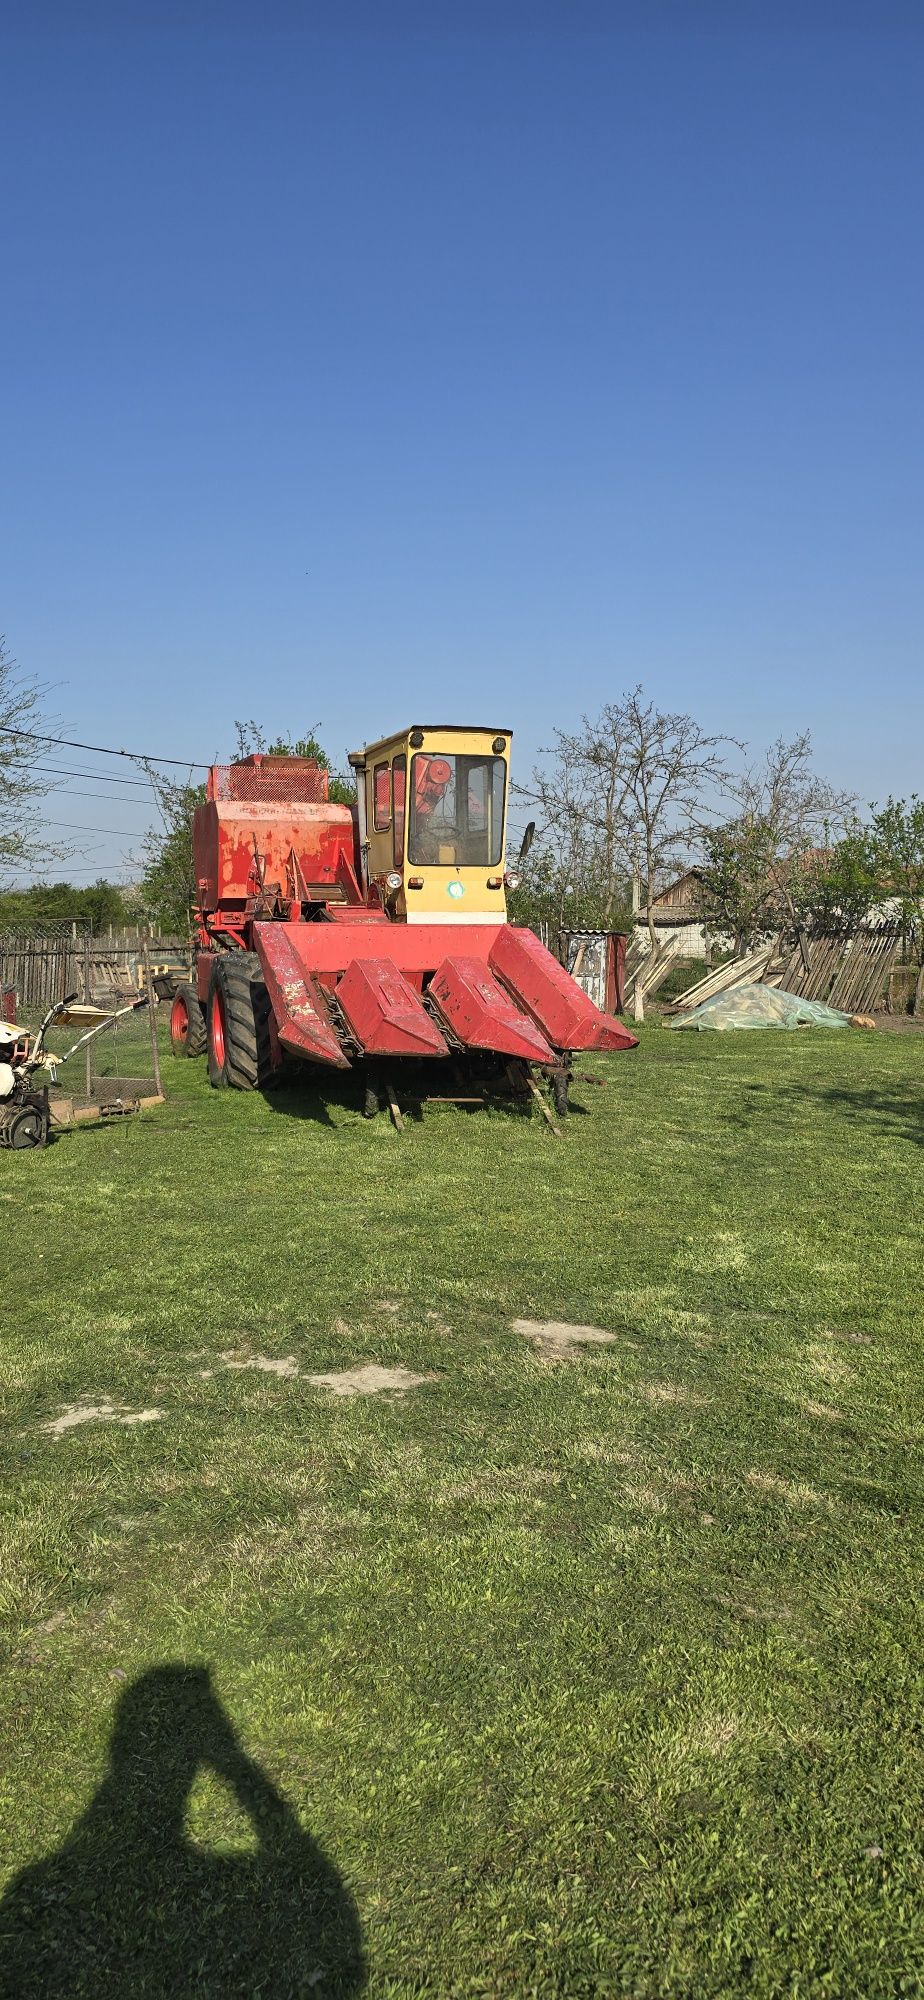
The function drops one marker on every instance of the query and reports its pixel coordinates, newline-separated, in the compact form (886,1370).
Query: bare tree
(786,809)
(579,854)
(676,775)
(628,794)
(21,709)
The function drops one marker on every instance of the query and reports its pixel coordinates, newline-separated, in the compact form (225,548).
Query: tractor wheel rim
(179,1019)
(218,1029)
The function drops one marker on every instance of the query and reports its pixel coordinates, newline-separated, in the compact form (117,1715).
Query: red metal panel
(326,949)
(322,953)
(565,1014)
(481,1014)
(385,1013)
(302,1021)
(228,836)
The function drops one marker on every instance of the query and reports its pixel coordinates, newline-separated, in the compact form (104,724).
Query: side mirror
(527,841)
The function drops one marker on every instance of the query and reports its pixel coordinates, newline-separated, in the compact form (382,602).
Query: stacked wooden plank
(651,971)
(637,949)
(749,966)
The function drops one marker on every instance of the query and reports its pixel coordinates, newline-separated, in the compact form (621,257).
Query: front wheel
(187,1022)
(239,1044)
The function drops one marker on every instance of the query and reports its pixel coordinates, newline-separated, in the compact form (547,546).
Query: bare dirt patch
(265,1364)
(559,1340)
(370,1380)
(98,1413)
(54,1623)
(899,1024)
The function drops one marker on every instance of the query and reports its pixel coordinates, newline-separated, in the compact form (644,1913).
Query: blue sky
(366,364)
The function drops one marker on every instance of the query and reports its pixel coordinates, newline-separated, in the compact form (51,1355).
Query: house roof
(689,875)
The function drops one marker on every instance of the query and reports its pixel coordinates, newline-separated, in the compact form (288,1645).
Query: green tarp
(756,1006)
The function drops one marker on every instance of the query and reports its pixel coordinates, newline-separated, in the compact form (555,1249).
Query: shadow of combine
(417,1085)
(893,1113)
(128,1904)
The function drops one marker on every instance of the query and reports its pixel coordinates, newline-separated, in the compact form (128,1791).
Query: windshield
(456,816)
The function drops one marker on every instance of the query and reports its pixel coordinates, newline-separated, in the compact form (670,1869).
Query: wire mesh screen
(116,1065)
(270,778)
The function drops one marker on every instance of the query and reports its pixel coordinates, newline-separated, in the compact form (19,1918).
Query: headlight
(512,879)
(393,881)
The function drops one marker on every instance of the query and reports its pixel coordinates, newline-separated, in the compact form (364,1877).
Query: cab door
(386,795)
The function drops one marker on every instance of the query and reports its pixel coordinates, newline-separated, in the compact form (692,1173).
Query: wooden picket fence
(846,971)
(40,969)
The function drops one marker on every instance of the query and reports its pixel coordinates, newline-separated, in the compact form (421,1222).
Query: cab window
(381,798)
(399,787)
(457,811)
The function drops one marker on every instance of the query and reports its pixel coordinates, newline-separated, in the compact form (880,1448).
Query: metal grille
(270,778)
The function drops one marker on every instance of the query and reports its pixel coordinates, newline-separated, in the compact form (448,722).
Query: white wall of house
(694,938)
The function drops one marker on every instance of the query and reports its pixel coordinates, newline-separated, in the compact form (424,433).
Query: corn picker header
(367,934)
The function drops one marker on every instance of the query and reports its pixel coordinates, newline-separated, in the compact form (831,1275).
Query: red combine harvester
(338,934)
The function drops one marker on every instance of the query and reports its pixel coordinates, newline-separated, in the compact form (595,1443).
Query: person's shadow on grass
(128,1905)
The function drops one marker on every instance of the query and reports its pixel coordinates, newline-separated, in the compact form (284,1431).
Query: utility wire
(103,750)
(75,826)
(96,869)
(64,771)
(115,798)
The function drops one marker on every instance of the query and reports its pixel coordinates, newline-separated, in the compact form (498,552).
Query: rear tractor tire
(187,1022)
(239,1044)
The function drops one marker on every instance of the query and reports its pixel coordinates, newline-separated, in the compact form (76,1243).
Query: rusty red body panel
(243,848)
(302,1020)
(552,997)
(384,1012)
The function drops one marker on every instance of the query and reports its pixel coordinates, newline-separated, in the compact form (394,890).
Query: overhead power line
(113,798)
(104,750)
(74,826)
(65,771)
(95,869)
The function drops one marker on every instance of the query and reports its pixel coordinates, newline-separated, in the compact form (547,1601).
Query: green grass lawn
(596,1677)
